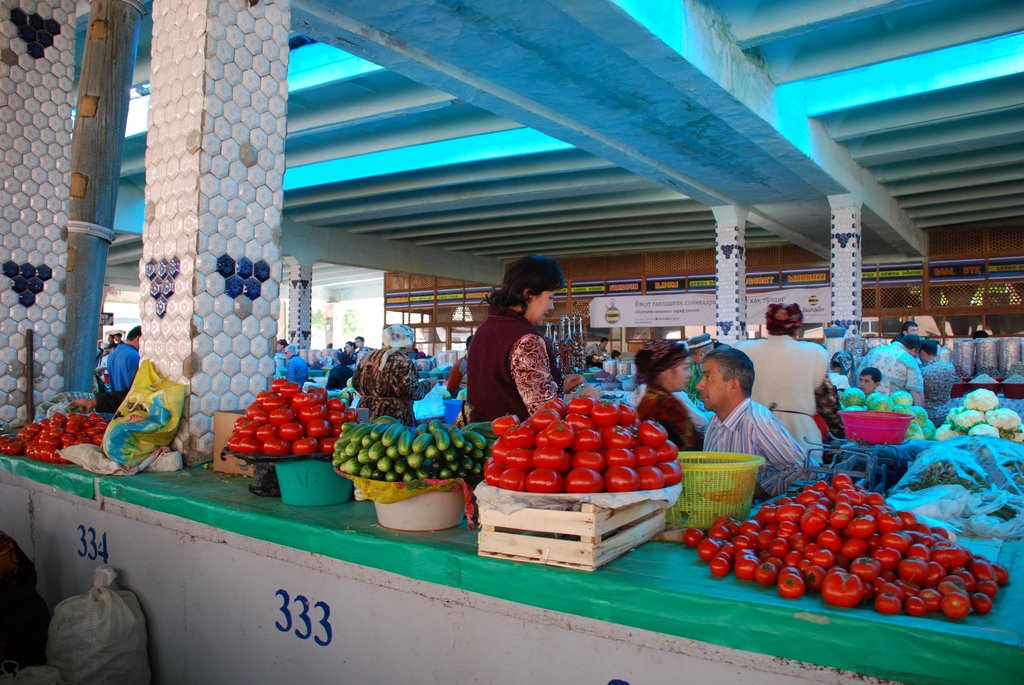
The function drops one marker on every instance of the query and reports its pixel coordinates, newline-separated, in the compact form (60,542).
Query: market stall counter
(660,587)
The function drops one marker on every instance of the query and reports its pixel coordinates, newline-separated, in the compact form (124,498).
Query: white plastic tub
(424,512)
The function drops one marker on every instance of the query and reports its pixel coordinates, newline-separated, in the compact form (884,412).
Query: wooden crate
(584,540)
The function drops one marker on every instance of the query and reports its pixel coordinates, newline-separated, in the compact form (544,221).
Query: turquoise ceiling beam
(501,144)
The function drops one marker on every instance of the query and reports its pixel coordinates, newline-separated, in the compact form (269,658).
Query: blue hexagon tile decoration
(233,286)
(252,288)
(27,280)
(245,268)
(243,277)
(38,33)
(161,275)
(225,266)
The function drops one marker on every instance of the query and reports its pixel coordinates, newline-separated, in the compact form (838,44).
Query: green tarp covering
(660,587)
(66,477)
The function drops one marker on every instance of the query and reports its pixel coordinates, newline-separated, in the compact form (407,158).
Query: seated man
(340,372)
(741,425)
(869,380)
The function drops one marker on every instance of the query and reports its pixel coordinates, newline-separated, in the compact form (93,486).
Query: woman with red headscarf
(662,365)
(788,372)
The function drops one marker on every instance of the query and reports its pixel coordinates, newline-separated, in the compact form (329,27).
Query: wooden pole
(108,66)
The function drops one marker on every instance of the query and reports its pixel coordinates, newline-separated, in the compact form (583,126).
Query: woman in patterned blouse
(386,379)
(513,370)
(662,365)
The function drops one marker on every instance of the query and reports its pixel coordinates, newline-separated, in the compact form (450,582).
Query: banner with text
(698,309)
(631,311)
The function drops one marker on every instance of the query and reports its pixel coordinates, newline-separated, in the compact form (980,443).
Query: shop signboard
(763,280)
(419,299)
(396,300)
(900,274)
(477,293)
(701,282)
(451,296)
(586,288)
(804,278)
(666,284)
(960,270)
(625,286)
(1006,268)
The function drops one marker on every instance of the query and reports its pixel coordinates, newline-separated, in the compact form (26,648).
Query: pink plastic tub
(876,427)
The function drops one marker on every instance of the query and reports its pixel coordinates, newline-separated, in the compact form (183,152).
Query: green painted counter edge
(66,477)
(659,587)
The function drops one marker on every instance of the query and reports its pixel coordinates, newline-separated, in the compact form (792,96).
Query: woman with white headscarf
(386,379)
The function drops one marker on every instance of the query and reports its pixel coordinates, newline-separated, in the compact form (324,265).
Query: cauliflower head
(981,400)
(1003,419)
(984,429)
(946,431)
(968,418)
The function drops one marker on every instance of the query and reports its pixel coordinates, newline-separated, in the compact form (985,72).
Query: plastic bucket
(714,484)
(876,427)
(311,483)
(451,410)
(424,512)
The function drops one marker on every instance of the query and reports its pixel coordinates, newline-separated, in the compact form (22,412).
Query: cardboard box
(223,422)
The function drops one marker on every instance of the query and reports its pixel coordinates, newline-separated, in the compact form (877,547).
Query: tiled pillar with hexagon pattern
(731,271)
(211,266)
(846,262)
(37,64)
(300,304)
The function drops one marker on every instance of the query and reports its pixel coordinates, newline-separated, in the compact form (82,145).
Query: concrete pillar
(731,272)
(211,256)
(330,309)
(37,65)
(846,263)
(300,304)
(108,64)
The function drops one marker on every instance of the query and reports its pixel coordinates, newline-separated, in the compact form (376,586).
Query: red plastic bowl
(1013,391)
(876,427)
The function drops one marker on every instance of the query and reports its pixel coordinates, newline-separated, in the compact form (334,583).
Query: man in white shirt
(740,424)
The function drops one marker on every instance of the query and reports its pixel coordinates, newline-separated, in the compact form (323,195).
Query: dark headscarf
(657,356)
(844,360)
(784,319)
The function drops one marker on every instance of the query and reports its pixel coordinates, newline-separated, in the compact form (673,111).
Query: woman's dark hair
(533,274)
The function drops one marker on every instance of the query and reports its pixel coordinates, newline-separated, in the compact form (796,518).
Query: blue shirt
(297,370)
(751,428)
(122,364)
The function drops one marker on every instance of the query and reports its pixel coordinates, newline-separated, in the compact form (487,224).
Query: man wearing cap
(280,358)
(297,370)
(699,346)
(788,372)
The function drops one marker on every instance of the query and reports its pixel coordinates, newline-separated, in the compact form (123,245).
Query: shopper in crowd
(458,373)
(296,369)
(664,367)
(123,361)
(615,355)
(791,374)
(938,376)
(513,369)
(740,424)
(909,328)
(868,380)
(340,372)
(840,367)
(699,346)
(597,353)
(280,358)
(361,349)
(979,334)
(899,366)
(386,379)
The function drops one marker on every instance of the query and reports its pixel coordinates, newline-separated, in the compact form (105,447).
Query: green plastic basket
(311,483)
(714,484)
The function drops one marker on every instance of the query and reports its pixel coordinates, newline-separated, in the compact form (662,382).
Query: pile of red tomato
(579,447)
(43,440)
(850,546)
(285,420)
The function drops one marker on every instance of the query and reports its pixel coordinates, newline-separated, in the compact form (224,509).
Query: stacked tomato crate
(572,452)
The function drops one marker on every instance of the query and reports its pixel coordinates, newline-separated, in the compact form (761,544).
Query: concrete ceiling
(658,110)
